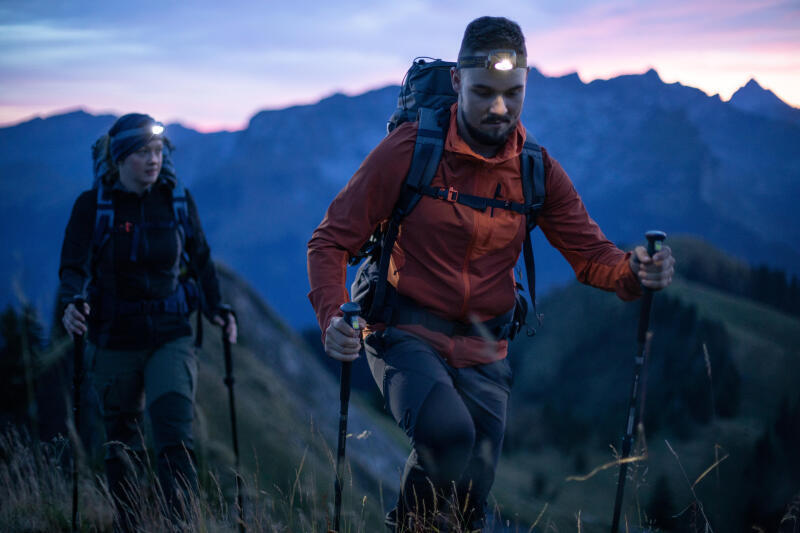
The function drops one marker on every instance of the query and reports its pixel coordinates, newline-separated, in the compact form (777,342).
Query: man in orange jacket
(449,392)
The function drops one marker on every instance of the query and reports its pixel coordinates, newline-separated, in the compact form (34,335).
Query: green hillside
(572,382)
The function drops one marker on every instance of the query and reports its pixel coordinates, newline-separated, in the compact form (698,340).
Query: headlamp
(149,131)
(501,60)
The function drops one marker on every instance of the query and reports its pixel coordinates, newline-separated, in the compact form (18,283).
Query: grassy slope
(766,346)
(279,435)
(272,441)
(766,341)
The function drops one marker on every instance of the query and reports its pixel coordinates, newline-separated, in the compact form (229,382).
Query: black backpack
(189,296)
(426,96)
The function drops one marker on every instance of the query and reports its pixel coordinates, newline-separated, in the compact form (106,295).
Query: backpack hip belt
(181,302)
(408,312)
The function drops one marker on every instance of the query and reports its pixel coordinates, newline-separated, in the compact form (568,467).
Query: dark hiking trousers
(163,380)
(455,419)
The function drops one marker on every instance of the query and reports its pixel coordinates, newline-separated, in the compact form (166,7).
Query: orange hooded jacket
(453,260)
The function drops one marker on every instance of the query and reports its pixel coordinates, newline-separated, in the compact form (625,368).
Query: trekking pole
(77,380)
(654,244)
(351,312)
(226,344)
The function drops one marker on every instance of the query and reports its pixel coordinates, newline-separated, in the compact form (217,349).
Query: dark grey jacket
(140,261)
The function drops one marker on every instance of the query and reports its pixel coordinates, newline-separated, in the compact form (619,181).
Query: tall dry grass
(36,487)
(36,496)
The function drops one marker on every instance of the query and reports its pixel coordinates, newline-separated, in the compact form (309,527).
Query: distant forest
(774,287)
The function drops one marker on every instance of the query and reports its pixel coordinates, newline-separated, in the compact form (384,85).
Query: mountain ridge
(754,98)
(672,156)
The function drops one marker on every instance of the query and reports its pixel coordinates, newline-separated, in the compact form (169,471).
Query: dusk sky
(212,65)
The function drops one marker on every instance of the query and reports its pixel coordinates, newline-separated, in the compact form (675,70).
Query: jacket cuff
(628,286)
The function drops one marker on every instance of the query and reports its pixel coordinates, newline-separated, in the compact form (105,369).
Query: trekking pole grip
(227,312)
(351,312)
(655,241)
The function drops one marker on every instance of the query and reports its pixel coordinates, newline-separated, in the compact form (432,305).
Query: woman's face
(140,169)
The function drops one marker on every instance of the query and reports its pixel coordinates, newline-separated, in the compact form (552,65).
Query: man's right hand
(342,342)
(75,322)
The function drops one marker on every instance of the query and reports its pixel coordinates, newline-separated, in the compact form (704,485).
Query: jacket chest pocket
(495,231)
(154,244)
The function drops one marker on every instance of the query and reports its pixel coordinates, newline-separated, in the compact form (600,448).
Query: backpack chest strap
(476,202)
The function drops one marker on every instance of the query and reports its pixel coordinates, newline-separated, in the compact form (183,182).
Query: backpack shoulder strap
(104,217)
(428,151)
(180,208)
(533,188)
(183,223)
(532,170)
(102,284)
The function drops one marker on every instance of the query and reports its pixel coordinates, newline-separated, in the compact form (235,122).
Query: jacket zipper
(465,267)
(144,243)
(145,252)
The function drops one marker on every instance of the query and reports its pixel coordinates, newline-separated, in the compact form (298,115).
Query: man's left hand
(654,273)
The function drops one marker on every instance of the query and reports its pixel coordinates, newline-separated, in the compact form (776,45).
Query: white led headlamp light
(501,60)
(149,131)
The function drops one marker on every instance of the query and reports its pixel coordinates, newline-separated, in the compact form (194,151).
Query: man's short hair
(492,33)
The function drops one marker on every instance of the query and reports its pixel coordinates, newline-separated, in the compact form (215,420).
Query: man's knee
(171,417)
(444,435)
